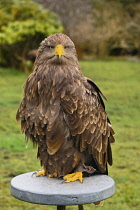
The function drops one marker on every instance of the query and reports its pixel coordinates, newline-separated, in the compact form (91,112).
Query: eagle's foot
(73,177)
(41,173)
(99,203)
(53,175)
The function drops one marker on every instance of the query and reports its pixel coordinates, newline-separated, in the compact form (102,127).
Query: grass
(119,81)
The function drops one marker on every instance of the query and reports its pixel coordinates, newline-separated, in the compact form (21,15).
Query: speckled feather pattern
(63,113)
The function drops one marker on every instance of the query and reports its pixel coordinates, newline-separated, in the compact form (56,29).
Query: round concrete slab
(53,191)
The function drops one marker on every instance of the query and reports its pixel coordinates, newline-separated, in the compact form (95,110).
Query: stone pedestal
(53,191)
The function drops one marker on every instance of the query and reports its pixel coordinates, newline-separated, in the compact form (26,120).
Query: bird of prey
(63,113)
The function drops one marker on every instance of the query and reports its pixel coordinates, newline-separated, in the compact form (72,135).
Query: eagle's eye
(51,47)
(66,47)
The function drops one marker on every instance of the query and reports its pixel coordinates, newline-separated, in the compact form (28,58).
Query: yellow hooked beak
(59,50)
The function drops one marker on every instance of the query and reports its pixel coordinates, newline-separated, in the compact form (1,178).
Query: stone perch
(53,191)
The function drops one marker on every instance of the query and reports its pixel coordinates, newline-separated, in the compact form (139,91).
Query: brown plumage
(62,112)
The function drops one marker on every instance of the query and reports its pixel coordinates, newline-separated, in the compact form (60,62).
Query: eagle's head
(56,49)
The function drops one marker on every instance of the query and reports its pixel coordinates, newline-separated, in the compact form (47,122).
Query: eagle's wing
(88,121)
(28,107)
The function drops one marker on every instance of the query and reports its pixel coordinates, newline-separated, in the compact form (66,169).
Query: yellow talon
(41,173)
(73,177)
(53,175)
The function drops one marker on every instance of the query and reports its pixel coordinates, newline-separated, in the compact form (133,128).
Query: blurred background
(106,34)
(100,29)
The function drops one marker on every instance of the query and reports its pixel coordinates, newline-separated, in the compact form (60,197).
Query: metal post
(80,207)
(61,207)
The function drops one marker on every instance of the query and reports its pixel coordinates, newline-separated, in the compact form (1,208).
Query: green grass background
(120,82)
